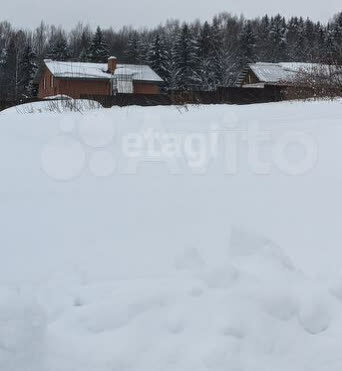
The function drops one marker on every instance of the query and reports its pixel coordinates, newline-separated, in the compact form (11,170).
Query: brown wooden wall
(48,86)
(76,88)
(250,78)
(145,88)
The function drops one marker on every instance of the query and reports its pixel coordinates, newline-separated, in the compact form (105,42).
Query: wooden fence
(224,95)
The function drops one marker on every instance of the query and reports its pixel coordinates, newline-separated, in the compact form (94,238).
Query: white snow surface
(152,271)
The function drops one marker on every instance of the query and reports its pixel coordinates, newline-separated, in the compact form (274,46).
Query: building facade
(76,79)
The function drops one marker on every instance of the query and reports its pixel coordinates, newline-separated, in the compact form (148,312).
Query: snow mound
(248,308)
(59,105)
(58,96)
(22,332)
(315,312)
(246,243)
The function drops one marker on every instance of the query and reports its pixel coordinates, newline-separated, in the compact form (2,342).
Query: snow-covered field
(165,239)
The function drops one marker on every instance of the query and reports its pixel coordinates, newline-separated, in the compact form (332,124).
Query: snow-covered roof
(81,70)
(276,72)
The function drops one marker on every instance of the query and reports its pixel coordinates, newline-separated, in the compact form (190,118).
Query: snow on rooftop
(269,72)
(77,69)
(84,70)
(284,71)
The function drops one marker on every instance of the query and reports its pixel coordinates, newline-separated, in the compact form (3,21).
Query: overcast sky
(138,13)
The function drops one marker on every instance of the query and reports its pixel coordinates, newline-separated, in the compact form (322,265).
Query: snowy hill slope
(166,239)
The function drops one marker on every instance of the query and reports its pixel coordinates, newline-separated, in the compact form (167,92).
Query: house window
(123,84)
(52,81)
(44,84)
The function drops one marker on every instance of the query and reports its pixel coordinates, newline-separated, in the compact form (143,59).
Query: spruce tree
(309,41)
(186,60)
(220,55)
(319,47)
(170,66)
(329,48)
(10,70)
(263,49)
(205,41)
(84,46)
(336,35)
(60,50)
(295,40)
(134,48)
(158,57)
(28,69)
(83,57)
(206,67)
(247,53)
(278,39)
(98,50)
(3,57)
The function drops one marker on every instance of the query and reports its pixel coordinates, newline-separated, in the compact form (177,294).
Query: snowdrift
(56,104)
(123,251)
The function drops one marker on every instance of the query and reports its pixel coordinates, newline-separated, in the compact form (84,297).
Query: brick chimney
(112,62)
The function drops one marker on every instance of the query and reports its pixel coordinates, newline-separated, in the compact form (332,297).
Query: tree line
(197,55)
